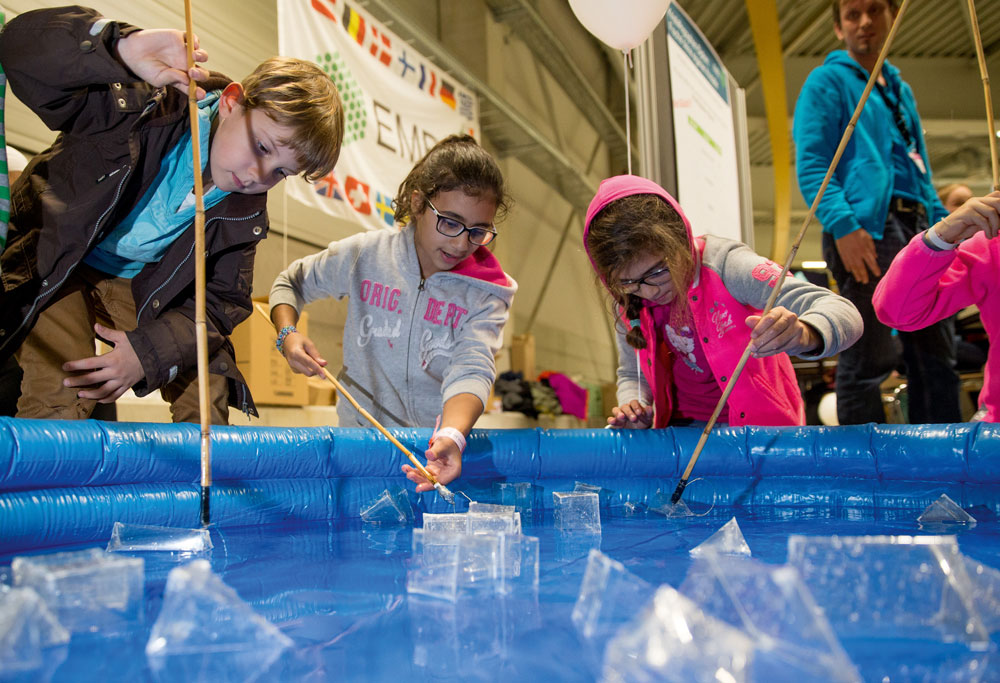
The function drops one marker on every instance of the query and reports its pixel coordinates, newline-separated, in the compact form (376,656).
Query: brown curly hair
(455,163)
(628,229)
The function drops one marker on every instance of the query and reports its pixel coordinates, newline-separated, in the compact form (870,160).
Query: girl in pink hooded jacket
(688,307)
(954,264)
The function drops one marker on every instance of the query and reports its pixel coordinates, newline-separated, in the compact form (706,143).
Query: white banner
(396,106)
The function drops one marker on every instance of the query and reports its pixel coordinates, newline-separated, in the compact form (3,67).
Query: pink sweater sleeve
(923,286)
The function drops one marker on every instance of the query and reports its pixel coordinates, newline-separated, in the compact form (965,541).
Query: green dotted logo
(355,114)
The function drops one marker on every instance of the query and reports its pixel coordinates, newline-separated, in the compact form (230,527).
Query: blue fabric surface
(70,481)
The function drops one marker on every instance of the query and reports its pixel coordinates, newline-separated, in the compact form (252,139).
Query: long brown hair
(455,163)
(628,229)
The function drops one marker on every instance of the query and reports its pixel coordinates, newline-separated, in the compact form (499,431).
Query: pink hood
(620,186)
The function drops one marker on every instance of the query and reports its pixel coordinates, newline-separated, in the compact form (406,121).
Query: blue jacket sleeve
(821,115)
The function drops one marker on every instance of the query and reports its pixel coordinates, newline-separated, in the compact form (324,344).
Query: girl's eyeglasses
(657,278)
(478,235)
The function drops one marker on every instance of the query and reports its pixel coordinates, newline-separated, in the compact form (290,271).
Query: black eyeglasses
(657,278)
(478,235)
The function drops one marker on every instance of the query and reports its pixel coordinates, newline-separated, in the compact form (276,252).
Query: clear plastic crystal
(728,540)
(205,632)
(142,538)
(945,511)
(89,590)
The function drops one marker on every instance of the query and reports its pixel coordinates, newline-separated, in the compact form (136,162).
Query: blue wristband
(282,333)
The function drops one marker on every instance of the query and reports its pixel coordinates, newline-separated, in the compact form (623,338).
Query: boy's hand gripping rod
(438,486)
(675,498)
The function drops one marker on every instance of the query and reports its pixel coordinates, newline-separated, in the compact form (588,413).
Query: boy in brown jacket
(101,237)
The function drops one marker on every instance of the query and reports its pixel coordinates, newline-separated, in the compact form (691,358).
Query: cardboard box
(522,356)
(267,373)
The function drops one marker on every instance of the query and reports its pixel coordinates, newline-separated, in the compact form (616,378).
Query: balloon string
(626,62)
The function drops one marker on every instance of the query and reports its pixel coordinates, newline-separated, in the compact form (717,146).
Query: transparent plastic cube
(886,587)
(89,590)
(520,494)
(577,511)
(446,523)
(142,538)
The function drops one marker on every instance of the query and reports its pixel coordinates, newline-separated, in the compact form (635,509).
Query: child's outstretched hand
(159,57)
(110,375)
(302,355)
(632,414)
(979,213)
(444,461)
(781,331)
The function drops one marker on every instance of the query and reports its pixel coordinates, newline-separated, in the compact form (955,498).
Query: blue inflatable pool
(288,538)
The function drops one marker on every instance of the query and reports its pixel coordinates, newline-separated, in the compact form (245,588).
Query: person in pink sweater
(954,264)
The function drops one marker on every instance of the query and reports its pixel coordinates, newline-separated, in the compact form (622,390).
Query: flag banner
(397,104)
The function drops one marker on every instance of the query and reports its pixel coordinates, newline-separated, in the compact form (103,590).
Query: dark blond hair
(631,228)
(297,94)
(455,163)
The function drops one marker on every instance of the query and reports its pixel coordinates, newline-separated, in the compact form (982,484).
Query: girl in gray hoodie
(426,304)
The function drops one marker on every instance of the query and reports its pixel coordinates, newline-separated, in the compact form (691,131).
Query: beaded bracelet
(284,332)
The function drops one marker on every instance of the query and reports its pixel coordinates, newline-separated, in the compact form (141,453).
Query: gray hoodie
(410,344)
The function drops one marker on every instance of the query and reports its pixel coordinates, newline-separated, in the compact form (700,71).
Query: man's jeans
(928,354)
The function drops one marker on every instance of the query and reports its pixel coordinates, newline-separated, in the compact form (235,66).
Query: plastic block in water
(520,494)
(772,605)
(26,628)
(945,511)
(726,541)
(985,592)
(576,511)
(673,640)
(634,507)
(446,523)
(669,509)
(519,568)
(500,519)
(89,590)
(610,595)
(391,508)
(434,571)
(205,632)
(603,494)
(142,538)
(891,586)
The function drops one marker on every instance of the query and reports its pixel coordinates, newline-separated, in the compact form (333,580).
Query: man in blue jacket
(880,196)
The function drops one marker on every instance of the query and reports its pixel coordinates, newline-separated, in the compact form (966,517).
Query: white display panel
(708,186)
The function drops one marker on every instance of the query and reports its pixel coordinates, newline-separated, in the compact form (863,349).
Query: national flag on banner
(383,207)
(327,186)
(355,24)
(389,120)
(358,195)
(447,93)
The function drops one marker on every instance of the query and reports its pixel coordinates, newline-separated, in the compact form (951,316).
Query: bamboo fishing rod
(201,334)
(990,124)
(872,78)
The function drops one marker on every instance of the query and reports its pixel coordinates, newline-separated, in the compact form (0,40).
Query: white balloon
(623,24)
(828,409)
